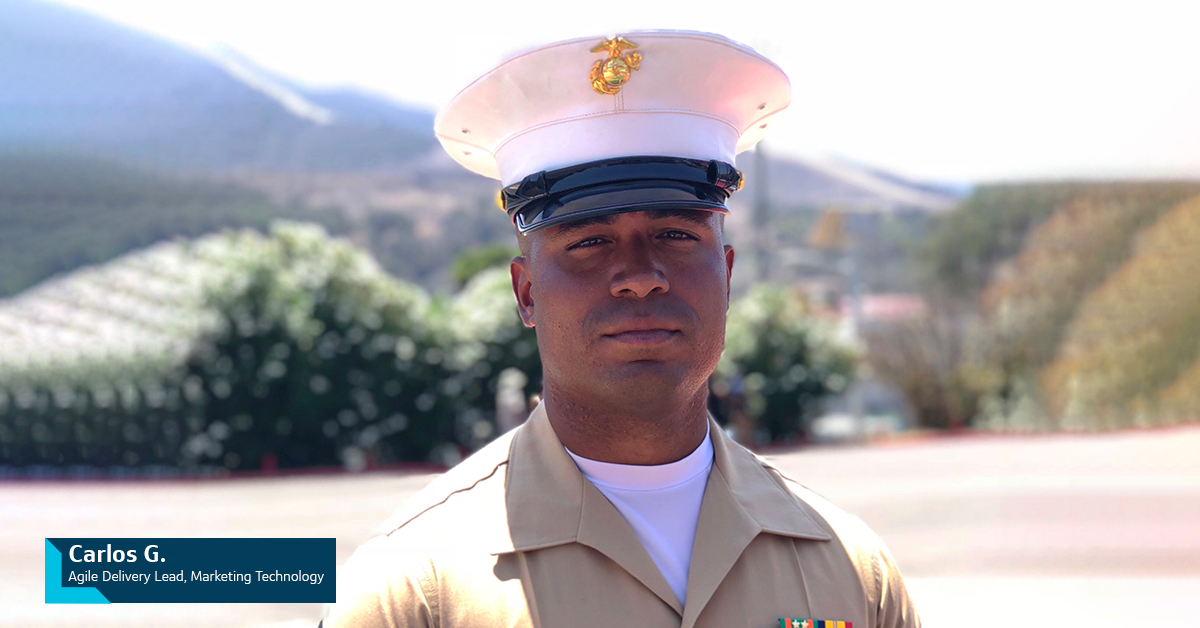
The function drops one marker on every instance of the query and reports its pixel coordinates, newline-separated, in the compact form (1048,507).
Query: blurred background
(243,292)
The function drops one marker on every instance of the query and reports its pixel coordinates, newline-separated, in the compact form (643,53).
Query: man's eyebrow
(583,223)
(698,216)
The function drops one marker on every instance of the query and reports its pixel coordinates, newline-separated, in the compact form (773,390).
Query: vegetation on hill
(1086,301)
(1130,344)
(1033,296)
(1180,401)
(59,213)
(990,225)
(430,247)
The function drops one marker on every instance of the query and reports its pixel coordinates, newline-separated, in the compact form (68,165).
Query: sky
(935,91)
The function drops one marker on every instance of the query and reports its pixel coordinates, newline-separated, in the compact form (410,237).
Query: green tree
(476,260)
(779,363)
(319,353)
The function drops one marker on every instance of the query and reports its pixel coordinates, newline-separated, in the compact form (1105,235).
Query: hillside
(794,182)
(112,139)
(1132,340)
(1090,321)
(78,83)
(965,247)
(1034,295)
(58,213)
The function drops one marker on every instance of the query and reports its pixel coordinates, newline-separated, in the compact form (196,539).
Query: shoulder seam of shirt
(766,464)
(790,480)
(856,552)
(446,498)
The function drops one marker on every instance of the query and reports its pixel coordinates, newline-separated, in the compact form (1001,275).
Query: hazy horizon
(933,92)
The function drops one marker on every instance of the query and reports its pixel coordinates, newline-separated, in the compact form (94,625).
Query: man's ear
(522,282)
(728,268)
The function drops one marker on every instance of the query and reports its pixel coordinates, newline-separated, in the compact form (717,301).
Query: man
(620,502)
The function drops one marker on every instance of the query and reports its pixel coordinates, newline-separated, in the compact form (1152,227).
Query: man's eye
(586,243)
(675,234)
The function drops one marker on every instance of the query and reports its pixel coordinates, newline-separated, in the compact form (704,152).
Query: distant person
(620,503)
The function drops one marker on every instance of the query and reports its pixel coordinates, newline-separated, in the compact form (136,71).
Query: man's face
(629,308)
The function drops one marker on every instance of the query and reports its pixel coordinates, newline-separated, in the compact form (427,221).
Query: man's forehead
(697,216)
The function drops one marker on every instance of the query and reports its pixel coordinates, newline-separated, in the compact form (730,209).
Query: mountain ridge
(79,83)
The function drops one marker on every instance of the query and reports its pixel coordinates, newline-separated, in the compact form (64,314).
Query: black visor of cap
(613,186)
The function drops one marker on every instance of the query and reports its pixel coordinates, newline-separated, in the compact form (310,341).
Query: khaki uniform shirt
(516,537)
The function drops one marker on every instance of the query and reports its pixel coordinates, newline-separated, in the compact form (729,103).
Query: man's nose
(639,273)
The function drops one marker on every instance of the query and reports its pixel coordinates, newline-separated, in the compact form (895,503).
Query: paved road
(989,531)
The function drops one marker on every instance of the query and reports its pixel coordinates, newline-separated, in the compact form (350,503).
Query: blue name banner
(103,571)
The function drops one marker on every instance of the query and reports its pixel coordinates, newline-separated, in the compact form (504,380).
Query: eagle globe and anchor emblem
(608,75)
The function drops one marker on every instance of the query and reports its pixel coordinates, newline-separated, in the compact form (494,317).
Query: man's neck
(655,436)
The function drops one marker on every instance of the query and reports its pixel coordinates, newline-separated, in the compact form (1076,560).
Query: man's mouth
(644,333)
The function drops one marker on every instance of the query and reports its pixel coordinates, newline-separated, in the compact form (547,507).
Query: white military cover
(695,95)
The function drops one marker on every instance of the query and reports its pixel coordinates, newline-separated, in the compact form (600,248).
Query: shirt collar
(648,477)
(545,491)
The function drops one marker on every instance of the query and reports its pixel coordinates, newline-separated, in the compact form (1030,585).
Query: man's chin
(648,367)
(649,379)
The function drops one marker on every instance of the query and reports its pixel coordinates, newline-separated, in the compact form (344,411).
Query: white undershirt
(661,503)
